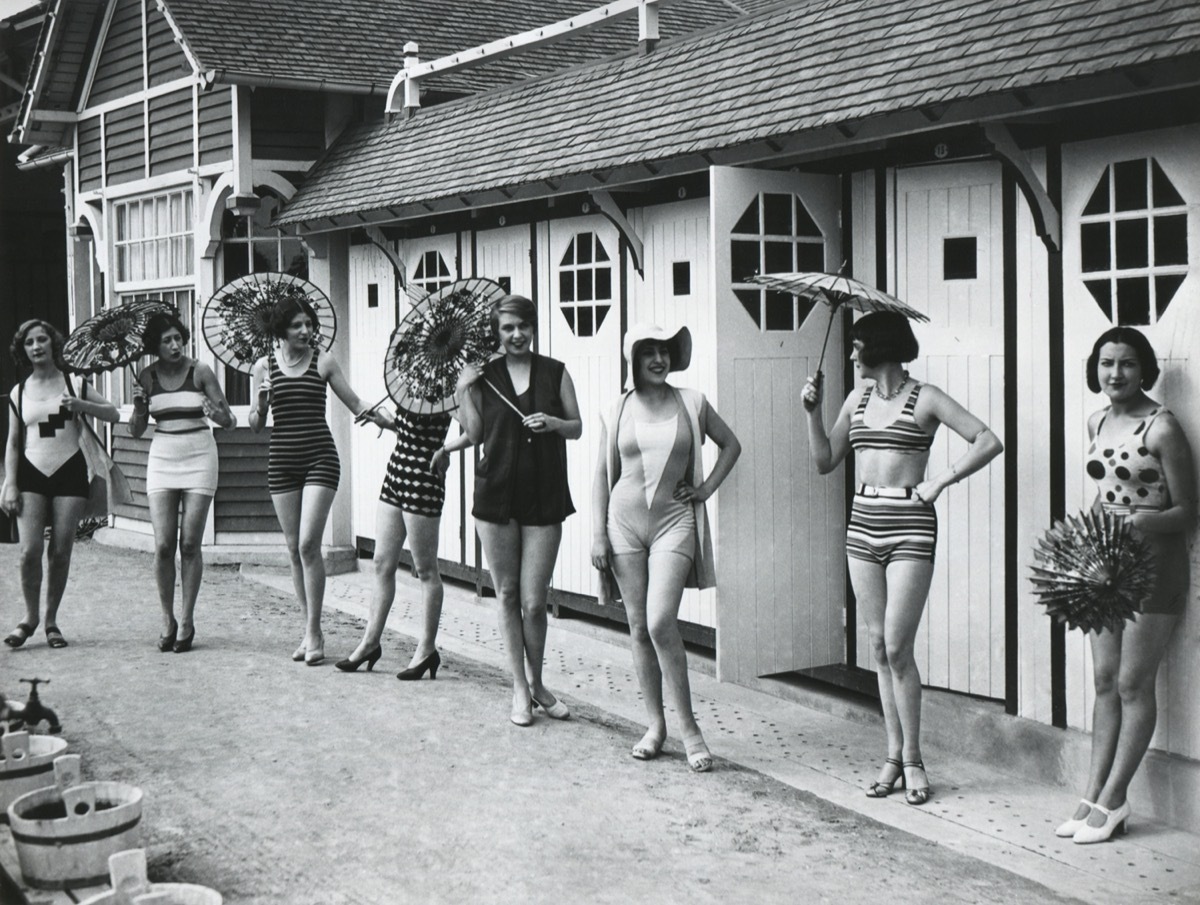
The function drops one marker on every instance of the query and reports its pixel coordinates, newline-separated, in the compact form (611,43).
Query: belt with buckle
(891,493)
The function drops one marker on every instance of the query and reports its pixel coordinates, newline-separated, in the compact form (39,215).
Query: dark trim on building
(1012,662)
(1057,429)
(847,227)
(881,244)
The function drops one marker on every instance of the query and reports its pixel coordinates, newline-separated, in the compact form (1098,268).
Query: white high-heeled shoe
(1068,829)
(1116,822)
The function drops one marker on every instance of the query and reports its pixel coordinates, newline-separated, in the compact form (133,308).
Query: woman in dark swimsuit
(892,531)
(302,467)
(521,493)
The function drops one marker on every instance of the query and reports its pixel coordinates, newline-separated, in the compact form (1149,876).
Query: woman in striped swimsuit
(302,465)
(179,393)
(892,533)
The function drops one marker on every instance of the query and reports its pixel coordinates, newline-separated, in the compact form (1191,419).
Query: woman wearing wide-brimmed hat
(892,533)
(649,523)
(521,406)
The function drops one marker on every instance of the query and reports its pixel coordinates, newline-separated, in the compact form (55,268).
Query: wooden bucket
(130,886)
(26,763)
(64,834)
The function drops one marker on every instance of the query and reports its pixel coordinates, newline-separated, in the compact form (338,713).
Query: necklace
(887,397)
(287,361)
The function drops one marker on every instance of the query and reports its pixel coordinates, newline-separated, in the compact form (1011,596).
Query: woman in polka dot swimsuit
(1142,465)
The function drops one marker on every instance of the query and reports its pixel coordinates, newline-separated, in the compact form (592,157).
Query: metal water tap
(33,711)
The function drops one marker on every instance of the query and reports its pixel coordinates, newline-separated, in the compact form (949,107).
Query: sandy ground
(279,783)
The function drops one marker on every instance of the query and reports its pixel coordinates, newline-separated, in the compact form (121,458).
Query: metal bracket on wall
(609,208)
(1047,219)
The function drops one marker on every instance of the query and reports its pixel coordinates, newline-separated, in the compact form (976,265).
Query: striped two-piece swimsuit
(888,523)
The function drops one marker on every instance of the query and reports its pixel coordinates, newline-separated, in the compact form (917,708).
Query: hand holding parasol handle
(811,395)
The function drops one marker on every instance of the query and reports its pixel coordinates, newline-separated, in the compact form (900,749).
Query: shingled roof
(831,72)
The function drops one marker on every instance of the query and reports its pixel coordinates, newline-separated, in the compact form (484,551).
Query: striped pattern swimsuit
(302,448)
(176,411)
(886,524)
(409,484)
(183,453)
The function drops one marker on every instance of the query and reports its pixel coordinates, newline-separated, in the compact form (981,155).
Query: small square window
(505,283)
(959,259)
(681,278)
(372,295)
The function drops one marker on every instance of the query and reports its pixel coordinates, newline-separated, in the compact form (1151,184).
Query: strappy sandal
(880,789)
(19,635)
(698,756)
(54,638)
(648,748)
(918,794)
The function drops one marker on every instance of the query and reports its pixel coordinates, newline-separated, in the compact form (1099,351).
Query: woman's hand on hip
(927,491)
(686,493)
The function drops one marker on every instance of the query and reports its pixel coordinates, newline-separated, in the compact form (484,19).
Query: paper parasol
(237,319)
(439,335)
(113,338)
(1092,571)
(835,290)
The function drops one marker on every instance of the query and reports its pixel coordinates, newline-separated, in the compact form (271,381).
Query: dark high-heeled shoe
(183,645)
(166,643)
(352,665)
(916,794)
(881,789)
(430,663)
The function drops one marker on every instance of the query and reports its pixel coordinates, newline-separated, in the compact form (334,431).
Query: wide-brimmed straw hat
(679,344)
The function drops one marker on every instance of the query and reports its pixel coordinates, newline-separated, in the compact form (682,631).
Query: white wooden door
(781,561)
(949,264)
(673,292)
(372,319)
(579,323)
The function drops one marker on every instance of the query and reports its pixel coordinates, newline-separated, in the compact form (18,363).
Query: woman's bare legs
(191,560)
(35,514)
(164,518)
(539,550)
(302,516)
(891,602)
(1124,667)
(423,542)
(66,513)
(390,534)
(502,547)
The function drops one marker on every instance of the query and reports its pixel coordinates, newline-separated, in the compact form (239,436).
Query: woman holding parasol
(892,532)
(1142,465)
(303,469)
(46,480)
(429,348)
(523,420)
(181,395)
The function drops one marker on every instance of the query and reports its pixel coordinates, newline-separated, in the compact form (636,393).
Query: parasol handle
(520,414)
(361,417)
(828,328)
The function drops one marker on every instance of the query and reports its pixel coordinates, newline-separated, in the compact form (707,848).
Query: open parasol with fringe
(1092,571)
(113,338)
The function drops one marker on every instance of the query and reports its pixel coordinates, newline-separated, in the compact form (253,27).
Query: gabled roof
(351,46)
(361,42)
(826,72)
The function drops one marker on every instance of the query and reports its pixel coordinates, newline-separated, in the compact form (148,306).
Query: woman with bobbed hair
(46,479)
(892,531)
(648,520)
(303,469)
(521,492)
(1142,464)
(181,395)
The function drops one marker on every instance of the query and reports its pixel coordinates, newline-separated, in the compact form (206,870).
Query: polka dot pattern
(1125,471)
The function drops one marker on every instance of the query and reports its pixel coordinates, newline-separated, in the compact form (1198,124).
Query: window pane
(959,258)
(1132,244)
(176,205)
(805,225)
(585,322)
(566,286)
(1133,300)
(604,283)
(569,314)
(1165,194)
(779,257)
(122,222)
(810,256)
(1164,290)
(777,214)
(748,223)
(1093,247)
(1170,240)
(781,308)
(601,254)
(1098,203)
(1129,185)
(601,311)
(583,283)
(162,252)
(743,260)
(122,263)
(569,255)
(1101,291)
(583,248)
(751,300)
(681,278)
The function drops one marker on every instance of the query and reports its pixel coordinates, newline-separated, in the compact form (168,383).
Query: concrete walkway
(1005,820)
